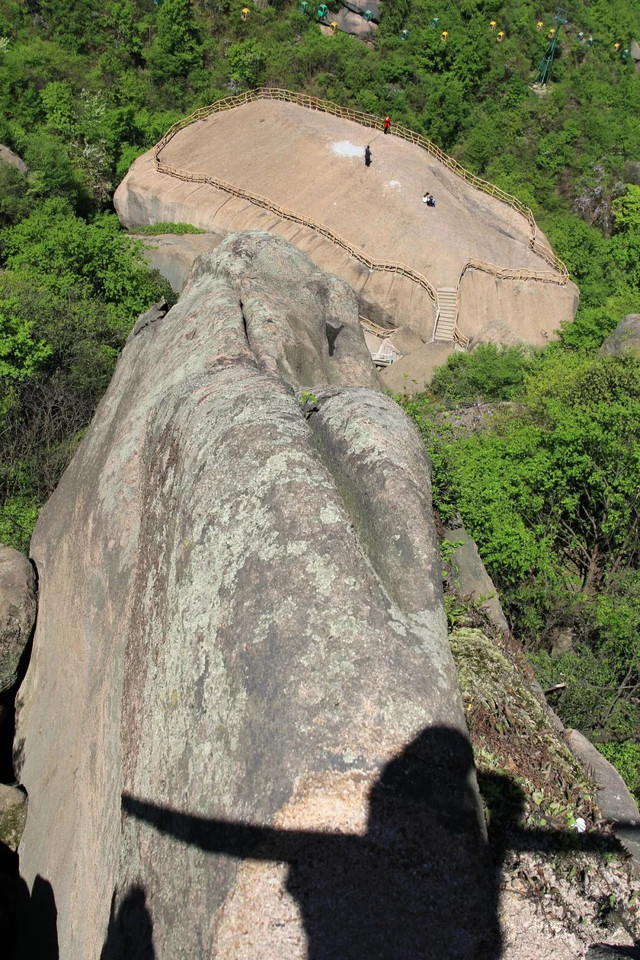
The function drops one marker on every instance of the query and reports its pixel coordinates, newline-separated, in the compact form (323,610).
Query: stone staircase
(445,325)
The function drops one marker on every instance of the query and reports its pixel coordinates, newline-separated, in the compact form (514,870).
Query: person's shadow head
(37,921)
(429,785)
(130,931)
(420,883)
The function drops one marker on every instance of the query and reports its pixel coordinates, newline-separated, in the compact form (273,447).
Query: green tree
(20,354)
(72,258)
(487,373)
(177,49)
(14,204)
(247,60)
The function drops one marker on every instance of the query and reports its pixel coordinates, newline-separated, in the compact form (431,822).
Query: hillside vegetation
(549,486)
(550,491)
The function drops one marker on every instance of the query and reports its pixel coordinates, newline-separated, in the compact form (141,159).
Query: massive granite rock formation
(311,163)
(241,712)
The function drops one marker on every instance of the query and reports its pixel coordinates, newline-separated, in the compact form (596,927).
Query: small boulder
(8,156)
(626,336)
(17,612)
(468,577)
(13,815)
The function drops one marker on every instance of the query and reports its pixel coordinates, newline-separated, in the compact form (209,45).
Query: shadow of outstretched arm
(244,841)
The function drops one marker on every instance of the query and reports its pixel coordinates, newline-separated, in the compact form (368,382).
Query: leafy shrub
(489,373)
(155,229)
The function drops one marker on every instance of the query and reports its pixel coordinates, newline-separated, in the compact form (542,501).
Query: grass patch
(155,229)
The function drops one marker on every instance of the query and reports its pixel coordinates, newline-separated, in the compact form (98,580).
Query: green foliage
(14,204)
(177,48)
(18,517)
(625,757)
(247,61)
(155,229)
(589,701)
(69,295)
(488,373)
(550,490)
(626,211)
(21,355)
(565,469)
(437,436)
(72,258)
(52,172)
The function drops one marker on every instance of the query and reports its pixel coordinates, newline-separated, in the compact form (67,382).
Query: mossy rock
(13,815)
(513,736)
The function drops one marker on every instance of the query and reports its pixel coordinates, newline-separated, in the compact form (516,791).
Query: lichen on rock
(226,572)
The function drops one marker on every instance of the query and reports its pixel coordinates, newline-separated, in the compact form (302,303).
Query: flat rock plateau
(311,162)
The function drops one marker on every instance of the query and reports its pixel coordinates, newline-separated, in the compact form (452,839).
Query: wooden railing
(388,266)
(367,120)
(510,273)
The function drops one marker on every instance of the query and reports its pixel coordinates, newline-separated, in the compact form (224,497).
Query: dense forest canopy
(550,490)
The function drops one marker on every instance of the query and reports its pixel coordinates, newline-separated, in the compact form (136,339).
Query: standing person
(367,157)
(386,126)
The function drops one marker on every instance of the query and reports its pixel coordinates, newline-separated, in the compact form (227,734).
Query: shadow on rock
(130,931)
(35,921)
(423,882)
(418,884)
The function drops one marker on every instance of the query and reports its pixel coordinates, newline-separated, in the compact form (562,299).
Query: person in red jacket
(386,126)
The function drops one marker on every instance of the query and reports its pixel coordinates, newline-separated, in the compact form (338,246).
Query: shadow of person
(130,930)
(36,921)
(504,801)
(418,883)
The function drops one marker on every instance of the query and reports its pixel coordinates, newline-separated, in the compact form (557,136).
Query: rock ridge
(236,699)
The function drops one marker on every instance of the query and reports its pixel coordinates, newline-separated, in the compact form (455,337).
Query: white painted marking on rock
(344,148)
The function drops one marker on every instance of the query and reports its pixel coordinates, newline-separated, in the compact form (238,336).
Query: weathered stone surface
(513,311)
(173,256)
(360,6)
(13,813)
(354,23)
(626,336)
(8,156)
(413,372)
(241,706)
(312,163)
(468,577)
(17,612)
(615,800)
